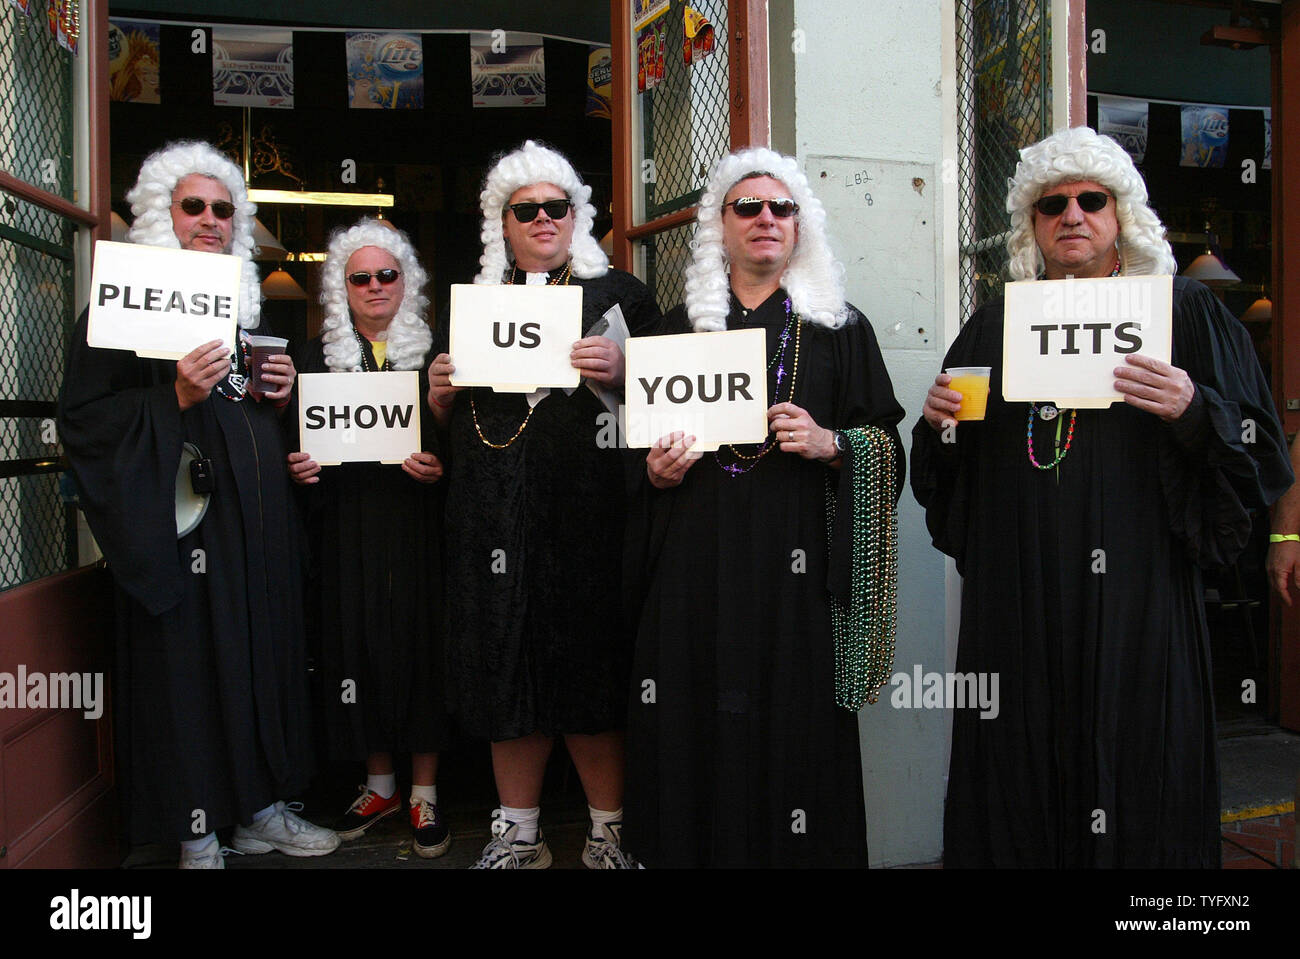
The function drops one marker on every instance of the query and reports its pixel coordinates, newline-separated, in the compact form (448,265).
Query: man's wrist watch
(841,443)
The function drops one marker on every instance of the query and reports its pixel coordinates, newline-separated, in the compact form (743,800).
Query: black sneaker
(432,837)
(365,811)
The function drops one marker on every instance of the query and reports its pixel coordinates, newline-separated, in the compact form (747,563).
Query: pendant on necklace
(1048,412)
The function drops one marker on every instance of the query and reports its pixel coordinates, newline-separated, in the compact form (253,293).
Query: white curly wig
(151,200)
(409,337)
(813,277)
(1069,156)
(529,164)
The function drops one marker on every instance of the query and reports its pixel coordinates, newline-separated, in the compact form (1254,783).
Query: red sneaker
(368,809)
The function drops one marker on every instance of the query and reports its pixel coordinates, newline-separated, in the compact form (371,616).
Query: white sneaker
(604,849)
(507,852)
(286,832)
(209,857)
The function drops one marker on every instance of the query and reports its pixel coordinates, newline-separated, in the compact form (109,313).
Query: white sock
(264,813)
(600,817)
(384,785)
(427,793)
(197,845)
(525,819)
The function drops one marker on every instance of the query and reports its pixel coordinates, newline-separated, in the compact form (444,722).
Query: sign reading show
(1063,339)
(359,417)
(159,302)
(515,339)
(712,386)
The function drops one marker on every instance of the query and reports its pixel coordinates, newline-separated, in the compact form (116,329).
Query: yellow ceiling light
(318,198)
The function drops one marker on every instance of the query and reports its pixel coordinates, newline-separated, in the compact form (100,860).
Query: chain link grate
(35,103)
(667,255)
(36,295)
(686,119)
(1004,103)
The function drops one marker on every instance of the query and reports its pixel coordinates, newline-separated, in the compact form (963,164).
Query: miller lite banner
(385,71)
(1205,135)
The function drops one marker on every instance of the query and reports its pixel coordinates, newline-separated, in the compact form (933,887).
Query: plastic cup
(972,382)
(262,347)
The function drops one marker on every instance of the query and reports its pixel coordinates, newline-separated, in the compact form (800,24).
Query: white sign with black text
(159,302)
(515,339)
(712,386)
(1063,339)
(359,417)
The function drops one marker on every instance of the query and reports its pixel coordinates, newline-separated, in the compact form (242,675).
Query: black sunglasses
(361,278)
(221,209)
(527,212)
(748,207)
(1054,204)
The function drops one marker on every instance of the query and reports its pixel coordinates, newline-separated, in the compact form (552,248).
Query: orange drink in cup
(972,382)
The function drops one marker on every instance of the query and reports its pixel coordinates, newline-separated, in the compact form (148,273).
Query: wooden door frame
(64,813)
(747,69)
(1284,650)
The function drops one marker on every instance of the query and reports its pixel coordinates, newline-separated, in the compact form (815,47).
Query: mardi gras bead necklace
(560,279)
(1029,440)
(365,364)
(1049,412)
(778,359)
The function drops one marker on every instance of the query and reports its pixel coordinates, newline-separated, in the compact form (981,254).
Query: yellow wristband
(1284,537)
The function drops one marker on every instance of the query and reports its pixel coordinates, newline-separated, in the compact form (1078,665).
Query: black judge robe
(737,755)
(210,696)
(374,593)
(1103,753)
(536,638)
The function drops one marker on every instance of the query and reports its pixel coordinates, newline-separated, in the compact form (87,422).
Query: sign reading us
(1063,339)
(159,302)
(359,417)
(712,386)
(515,339)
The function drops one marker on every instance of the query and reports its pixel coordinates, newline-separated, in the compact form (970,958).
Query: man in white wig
(375,590)
(766,572)
(1080,535)
(212,711)
(538,646)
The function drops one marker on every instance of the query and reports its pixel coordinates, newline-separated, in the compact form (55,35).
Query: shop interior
(1158,58)
(430,160)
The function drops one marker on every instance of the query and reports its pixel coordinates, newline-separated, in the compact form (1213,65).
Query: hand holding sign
(198,371)
(669,459)
(1155,386)
(303,470)
(598,358)
(441,390)
(423,467)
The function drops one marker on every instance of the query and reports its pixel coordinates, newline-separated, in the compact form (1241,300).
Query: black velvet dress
(210,693)
(537,640)
(737,754)
(375,595)
(1082,590)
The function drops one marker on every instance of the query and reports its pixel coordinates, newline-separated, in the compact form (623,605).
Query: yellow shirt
(380,349)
